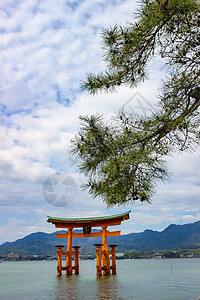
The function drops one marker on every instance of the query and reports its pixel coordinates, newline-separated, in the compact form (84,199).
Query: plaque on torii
(102,250)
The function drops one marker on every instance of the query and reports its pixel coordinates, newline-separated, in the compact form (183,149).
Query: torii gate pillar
(105,252)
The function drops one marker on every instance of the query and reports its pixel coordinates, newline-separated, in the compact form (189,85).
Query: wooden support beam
(59,254)
(113,252)
(76,259)
(105,252)
(92,234)
(69,255)
(98,254)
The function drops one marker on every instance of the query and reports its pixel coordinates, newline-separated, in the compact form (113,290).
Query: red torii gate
(102,251)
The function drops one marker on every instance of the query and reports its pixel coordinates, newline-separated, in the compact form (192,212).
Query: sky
(46,49)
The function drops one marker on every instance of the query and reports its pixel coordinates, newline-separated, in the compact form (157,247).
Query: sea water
(150,279)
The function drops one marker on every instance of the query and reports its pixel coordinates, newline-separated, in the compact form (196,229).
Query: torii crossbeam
(87,224)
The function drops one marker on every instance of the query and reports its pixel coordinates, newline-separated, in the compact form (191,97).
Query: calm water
(136,279)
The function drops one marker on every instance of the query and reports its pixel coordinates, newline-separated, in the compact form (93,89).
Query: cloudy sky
(47,47)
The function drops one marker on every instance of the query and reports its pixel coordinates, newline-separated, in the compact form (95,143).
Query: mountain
(172,238)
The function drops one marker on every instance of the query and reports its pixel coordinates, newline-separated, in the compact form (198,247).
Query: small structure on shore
(102,251)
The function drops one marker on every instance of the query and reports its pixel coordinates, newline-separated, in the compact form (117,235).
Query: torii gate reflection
(102,251)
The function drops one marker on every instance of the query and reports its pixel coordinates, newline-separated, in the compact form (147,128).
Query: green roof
(50,219)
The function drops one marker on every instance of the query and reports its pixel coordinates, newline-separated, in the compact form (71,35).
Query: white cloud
(46,49)
(188,218)
(50,47)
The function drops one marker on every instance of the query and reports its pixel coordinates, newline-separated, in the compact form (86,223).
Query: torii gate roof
(91,222)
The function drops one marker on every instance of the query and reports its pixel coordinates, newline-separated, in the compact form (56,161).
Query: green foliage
(168,28)
(172,254)
(133,255)
(123,159)
(118,159)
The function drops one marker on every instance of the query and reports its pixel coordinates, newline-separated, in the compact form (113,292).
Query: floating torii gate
(102,251)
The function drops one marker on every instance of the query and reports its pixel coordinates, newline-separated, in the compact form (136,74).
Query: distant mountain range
(174,237)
